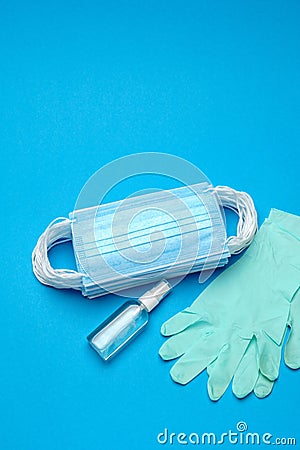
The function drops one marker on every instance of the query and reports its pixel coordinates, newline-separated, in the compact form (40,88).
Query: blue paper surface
(217,83)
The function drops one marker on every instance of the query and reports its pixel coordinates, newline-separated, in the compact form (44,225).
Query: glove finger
(210,367)
(179,322)
(225,366)
(247,372)
(292,349)
(180,343)
(263,386)
(269,355)
(196,359)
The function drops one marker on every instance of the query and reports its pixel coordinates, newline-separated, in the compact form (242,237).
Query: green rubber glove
(244,311)
(248,377)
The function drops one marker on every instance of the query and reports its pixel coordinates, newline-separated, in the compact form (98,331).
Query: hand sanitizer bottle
(126,322)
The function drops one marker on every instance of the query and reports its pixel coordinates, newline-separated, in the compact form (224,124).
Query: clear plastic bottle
(126,322)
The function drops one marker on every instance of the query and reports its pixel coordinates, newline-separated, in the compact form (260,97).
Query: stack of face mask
(163,234)
(142,239)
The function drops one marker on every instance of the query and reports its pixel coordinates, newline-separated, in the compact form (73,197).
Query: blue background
(82,83)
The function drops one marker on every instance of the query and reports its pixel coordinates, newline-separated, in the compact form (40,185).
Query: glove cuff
(289,222)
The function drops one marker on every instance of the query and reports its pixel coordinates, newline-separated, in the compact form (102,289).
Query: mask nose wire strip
(59,231)
(242,204)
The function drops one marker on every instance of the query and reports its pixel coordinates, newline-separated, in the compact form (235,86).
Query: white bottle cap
(152,297)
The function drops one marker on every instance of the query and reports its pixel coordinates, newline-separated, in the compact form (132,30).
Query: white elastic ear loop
(57,232)
(242,204)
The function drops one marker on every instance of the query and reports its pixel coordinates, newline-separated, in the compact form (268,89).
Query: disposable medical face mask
(144,239)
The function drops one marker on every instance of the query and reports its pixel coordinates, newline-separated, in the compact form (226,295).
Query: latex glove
(249,302)
(248,376)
